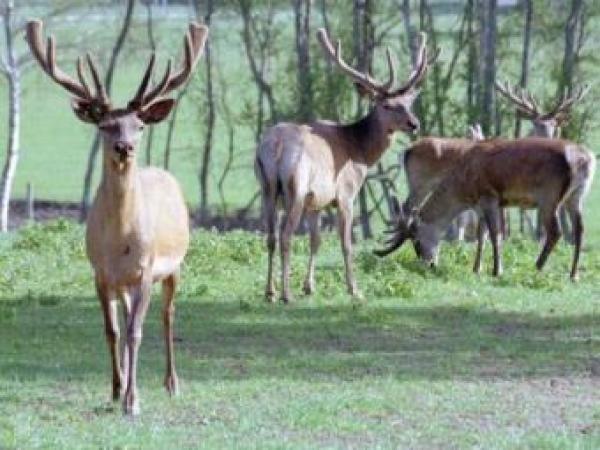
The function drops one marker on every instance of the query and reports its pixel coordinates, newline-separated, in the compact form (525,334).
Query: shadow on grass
(63,339)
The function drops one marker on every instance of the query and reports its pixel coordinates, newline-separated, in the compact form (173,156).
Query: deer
(303,168)
(527,172)
(545,124)
(137,231)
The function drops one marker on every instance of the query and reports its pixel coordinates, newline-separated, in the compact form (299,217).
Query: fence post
(30,205)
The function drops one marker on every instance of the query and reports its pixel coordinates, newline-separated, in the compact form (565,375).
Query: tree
(257,35)
(487,67)
(210,117)
(302,15)
(11,67)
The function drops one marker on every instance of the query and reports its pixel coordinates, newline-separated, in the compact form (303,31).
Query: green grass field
(430,359)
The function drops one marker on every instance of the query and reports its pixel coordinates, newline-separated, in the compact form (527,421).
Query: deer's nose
(123,148)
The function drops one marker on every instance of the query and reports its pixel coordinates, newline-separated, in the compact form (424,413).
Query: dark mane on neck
(367,138)
(361,131)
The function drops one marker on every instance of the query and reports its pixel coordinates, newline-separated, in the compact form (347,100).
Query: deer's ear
(157,111)
(87,111)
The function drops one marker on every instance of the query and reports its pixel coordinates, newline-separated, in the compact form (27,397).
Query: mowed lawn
(429,359)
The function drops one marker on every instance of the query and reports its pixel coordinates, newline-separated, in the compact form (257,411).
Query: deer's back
(521,170)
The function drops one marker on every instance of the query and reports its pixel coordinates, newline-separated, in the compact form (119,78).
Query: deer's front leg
(111,329)
(491,211)
(480,244)
(140,299)
(169,287)
(345,230)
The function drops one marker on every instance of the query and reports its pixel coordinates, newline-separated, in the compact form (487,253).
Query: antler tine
(98,85)
(81,76)
(336,56)
(159,89)
(567,101)
(421,66)
(392,70)
(193,46)
(46,58)
(143,87)
(527,107)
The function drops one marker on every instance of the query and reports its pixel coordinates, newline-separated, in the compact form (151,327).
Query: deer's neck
(443,206)
(121,193)
(368,139)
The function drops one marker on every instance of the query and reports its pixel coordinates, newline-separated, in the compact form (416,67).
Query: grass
(428,359)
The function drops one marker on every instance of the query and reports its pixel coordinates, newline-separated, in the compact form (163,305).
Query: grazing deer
(528,172)
(311,166)
(138,226)
(545,124)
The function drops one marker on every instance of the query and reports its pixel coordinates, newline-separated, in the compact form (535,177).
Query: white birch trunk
(14,119)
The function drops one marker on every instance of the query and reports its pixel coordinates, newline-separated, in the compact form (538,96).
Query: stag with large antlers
(545,124)
(137,229)
(544,173)
(309,167)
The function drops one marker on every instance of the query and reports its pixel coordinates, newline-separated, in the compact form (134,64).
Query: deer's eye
(107,127)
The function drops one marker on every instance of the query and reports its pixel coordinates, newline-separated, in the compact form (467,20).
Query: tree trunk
(258,69)
(87,181)
(487,69)
(12,72)
(572,34)
(210,120)
(152,43)
(302,10)
(363,46)
(528,5)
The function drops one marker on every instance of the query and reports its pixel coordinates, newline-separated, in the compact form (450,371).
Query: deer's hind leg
(292,218)
(573,207)
(314,223)
(169,286)
(549,218)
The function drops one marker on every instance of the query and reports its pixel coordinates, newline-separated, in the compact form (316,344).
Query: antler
(363,79)
(421,66)
(46,57)
(193,45)
(523,100)
(566,101)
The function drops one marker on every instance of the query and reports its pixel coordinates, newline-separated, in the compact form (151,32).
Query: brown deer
(528,172)
(545,124)
(137,229)
(311,166)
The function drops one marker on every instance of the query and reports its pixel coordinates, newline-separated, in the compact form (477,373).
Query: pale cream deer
(528,172)
(305,168)
(138,226)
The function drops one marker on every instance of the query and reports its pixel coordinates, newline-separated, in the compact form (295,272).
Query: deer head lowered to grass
(309,167)
(138,226)
(529,172)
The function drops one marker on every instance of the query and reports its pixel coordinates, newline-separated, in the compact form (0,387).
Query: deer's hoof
(131,405)
(172,384)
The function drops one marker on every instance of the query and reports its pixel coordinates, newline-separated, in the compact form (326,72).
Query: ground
(427,360)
